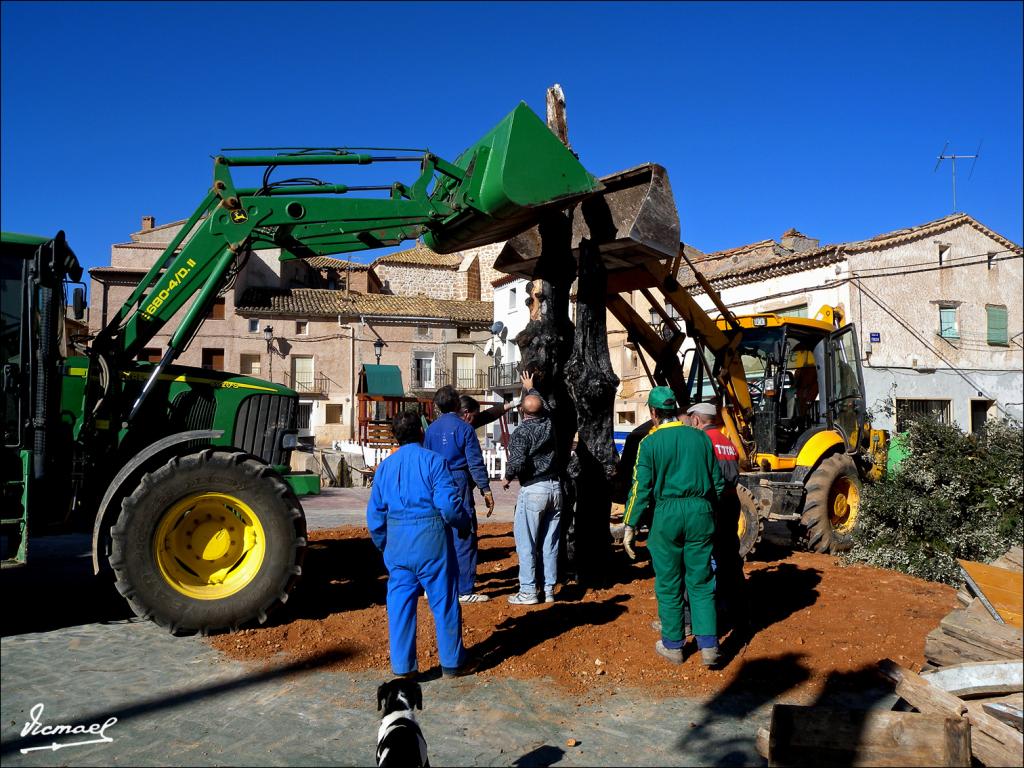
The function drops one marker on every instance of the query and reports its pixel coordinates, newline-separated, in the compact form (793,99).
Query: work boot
(675,655)
(709,657)
(687,629)
(468,667)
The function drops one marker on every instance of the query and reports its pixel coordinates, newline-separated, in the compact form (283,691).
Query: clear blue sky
(827,118)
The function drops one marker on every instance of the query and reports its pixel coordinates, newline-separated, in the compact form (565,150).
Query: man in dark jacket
(457,443)
(531,458)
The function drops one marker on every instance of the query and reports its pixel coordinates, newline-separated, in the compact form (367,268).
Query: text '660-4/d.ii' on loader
(181,473)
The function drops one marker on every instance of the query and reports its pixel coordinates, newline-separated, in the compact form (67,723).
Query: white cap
(708,409)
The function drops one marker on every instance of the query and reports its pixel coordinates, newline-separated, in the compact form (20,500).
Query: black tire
(832,505)
(751,524)
(240,477)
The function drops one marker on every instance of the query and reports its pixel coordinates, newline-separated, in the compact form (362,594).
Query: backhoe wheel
(207,542)
(751,525)
(832,505)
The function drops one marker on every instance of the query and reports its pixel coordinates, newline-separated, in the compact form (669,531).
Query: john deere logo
(239,216)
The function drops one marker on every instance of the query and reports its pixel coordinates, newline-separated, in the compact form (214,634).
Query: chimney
(148,222)
(797,241)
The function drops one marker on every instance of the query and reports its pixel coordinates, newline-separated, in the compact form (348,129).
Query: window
(217,310)
(335,414)
(512,305)
(149,355)
(213,359)
(301,328)
(249,365)
(998,335)
(947,323)
(944,253)
(462,333)
(302,373)
(254,325)
(465,372)
(625,418)
(798,311)
(423,370)
(906,408)
(305,415)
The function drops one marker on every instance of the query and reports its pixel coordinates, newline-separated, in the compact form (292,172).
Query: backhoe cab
(182,474)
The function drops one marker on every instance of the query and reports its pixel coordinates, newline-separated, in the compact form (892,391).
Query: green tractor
(181,474)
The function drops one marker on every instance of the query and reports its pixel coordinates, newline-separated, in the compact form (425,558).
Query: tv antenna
(953,158)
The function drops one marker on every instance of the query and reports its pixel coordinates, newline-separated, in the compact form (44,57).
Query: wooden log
(1004,641)
(813,736)
(992,742)
(979,678)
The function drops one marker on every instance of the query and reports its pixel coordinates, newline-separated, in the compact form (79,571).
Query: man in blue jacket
(456,441)
(413,505)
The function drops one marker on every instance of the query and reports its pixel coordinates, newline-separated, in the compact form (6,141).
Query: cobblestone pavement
(70,646)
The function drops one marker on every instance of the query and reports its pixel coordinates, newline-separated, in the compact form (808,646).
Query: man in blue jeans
(531,458)
(457,443)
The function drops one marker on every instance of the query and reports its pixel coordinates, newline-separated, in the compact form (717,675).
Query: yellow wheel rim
(843,505)
(209,546)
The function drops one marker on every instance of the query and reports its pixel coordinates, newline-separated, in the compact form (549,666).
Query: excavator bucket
(514,174)
(632,219)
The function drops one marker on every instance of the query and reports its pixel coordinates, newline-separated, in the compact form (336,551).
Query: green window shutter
(997,326)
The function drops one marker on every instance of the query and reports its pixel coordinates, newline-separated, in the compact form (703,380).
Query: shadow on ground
(57,589)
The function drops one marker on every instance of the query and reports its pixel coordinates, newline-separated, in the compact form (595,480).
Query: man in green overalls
(676,473)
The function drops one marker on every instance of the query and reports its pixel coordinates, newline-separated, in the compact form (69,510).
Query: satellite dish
(498,327)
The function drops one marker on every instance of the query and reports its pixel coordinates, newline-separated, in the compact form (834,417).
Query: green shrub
(955,496)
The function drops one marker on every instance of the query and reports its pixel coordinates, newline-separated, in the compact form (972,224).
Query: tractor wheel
(751,525)
(832,505)
(208,542)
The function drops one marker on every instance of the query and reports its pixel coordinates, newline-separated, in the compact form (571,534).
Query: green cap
(661,398)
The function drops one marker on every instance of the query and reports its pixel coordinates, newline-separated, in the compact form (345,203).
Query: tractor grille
(193,409)
(261,423)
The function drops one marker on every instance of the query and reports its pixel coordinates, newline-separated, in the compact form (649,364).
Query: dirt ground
(815,621)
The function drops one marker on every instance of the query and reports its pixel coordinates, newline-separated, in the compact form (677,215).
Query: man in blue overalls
(413,505)
(456,441)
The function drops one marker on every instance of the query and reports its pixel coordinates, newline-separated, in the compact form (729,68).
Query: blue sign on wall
(875,338)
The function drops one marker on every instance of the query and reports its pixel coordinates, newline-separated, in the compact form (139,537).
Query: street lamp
(268,335)
(378,348)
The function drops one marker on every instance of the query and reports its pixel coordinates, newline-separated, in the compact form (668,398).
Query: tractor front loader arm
(495,189)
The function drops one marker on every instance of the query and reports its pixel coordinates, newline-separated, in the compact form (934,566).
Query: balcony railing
(504,375)
(319,386)
(464,381)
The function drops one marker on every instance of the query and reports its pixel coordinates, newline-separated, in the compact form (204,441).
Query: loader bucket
(633,219)
(513,174)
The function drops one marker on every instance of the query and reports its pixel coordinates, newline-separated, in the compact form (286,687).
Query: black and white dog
(399,739)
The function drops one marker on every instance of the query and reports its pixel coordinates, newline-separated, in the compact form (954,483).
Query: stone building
(937,307)
(313,323)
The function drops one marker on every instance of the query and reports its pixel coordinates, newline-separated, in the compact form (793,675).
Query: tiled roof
(328,262)
(505,280)
(323,302)
(421,256)
(764,259)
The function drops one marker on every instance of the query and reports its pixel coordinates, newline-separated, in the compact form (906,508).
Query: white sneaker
(473,597)
(521,599)
(549,597)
